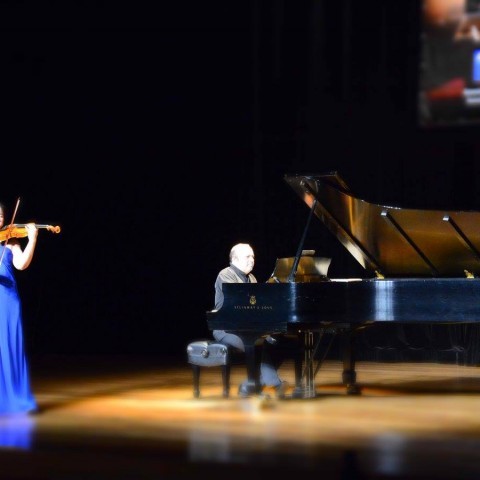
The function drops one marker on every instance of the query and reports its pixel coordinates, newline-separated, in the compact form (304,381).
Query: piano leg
(253,364)
(304,367)
(298,366)
(349,375)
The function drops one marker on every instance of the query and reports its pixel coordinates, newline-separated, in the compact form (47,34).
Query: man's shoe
(243,390)
(281,390)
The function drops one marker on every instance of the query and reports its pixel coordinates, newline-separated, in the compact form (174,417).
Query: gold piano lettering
(253,307)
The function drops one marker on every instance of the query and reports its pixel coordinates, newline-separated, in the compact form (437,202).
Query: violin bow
(9,228)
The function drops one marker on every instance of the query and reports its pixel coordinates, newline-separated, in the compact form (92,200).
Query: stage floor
(135,418)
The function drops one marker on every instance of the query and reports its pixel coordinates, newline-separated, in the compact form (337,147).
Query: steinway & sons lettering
(253,307)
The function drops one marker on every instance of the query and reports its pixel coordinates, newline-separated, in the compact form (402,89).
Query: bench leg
(196,380)
(226,380)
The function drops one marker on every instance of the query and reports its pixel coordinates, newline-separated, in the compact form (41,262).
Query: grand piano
(421,267)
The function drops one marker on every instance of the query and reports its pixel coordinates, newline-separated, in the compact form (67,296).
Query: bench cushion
(205,353)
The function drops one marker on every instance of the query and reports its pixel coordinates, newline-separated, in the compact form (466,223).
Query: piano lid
(393,241)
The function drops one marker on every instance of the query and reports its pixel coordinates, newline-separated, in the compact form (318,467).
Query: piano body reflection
(421,264)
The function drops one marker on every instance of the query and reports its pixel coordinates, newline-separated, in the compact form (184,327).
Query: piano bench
(206,353)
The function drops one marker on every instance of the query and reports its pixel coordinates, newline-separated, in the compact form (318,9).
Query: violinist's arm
(23,258)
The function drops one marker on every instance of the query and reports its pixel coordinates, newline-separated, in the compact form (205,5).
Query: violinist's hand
(32,231)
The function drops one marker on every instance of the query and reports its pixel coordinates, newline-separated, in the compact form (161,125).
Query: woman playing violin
(15,391)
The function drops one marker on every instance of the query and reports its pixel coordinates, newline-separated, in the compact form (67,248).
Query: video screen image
(449,80)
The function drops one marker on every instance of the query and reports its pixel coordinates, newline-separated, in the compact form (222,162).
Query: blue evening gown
(15,392)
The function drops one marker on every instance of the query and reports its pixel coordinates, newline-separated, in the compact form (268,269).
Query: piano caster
(304,392)
(349,378)
(354,389)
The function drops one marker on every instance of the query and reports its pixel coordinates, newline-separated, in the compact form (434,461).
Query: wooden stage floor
(136,418)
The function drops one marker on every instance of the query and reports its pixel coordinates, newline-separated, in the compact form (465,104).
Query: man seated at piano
(242,260)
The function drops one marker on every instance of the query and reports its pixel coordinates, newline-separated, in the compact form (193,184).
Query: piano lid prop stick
(291,276)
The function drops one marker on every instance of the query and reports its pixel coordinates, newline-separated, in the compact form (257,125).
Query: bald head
(242,257)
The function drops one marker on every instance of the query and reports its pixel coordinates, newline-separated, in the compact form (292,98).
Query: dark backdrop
(158,136)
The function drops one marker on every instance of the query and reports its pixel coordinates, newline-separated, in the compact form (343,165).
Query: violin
(19,230)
